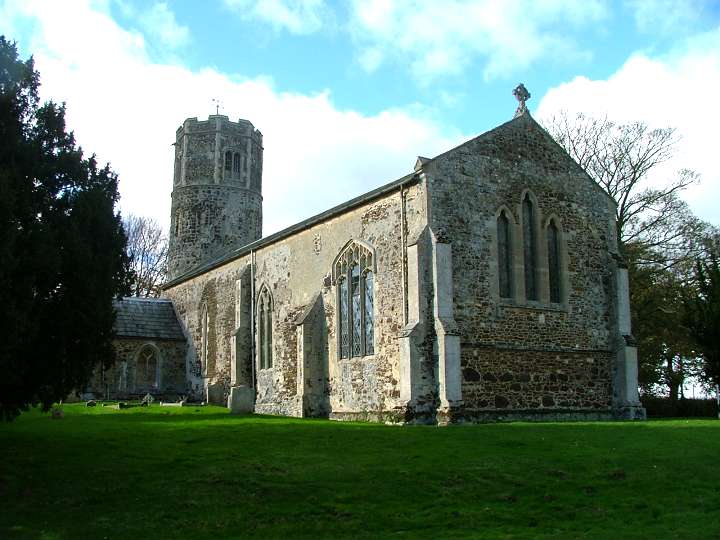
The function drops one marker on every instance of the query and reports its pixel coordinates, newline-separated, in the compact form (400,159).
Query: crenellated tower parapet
(217,191)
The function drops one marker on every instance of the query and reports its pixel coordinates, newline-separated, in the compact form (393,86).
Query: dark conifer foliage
(62,248)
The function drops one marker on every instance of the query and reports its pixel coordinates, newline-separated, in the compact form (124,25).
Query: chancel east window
(529,249)
(264,328)
(553,249)
(504,250)
(353,273)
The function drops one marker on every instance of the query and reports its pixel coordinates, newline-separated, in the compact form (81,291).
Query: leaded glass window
(343,320)
(228,161)
(369,320)
(529,251)
(353,274)
(356,311)
(553,248)
(503,245)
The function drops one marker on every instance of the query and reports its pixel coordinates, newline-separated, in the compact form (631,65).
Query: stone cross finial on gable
(218,104)
(522,95)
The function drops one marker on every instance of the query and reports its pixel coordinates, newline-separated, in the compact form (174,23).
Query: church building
(486,284)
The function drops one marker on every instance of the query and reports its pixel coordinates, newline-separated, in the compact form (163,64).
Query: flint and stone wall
(214,209)
(120,381)
(519,355)
(307,376)
(447,347)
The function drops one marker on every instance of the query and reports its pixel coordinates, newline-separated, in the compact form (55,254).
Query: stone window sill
(534,306)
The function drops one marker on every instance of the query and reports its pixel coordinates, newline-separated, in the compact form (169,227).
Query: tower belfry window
(236,164)
(353,273)
(228,161)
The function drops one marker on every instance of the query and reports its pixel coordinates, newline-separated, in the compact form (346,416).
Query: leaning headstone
(57,413)
(90,403)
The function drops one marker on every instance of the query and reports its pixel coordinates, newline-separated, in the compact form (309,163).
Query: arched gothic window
(204,340)
(504,255)
(146,368)
(228,161)
(236,164)
(264,328)
(553,249)
(529,250)
(353,274)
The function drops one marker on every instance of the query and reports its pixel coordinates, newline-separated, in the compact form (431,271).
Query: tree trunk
(717,398)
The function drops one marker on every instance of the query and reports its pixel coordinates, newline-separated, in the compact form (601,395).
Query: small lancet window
(503,248)
(529,250)
(553,249)
(228,161)
(204,340)
(265,330)
(355,285)
(236,164)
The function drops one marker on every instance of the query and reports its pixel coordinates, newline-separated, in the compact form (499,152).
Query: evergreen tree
(62,248)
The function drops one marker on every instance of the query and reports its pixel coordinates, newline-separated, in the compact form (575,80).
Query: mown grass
(196,473)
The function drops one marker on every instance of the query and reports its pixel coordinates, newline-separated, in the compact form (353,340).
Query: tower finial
(522,95)
(218,104)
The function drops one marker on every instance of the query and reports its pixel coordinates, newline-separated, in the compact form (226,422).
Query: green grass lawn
(195,473)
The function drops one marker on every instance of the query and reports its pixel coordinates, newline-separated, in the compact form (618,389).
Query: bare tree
(653,221)
(147,248)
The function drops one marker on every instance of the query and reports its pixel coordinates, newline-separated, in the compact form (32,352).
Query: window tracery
(146,367)
(354,277)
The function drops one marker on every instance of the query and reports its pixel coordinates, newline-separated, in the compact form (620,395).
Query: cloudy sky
(348,93)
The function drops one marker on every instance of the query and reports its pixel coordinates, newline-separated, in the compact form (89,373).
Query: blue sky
(347,94)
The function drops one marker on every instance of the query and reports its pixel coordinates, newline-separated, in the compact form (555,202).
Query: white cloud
(663,16)
(673,90)
(295,16)
(160,22)
(443,38)
(126,108)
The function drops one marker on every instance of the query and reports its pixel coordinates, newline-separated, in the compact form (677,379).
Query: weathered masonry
(151,350)
(486,284)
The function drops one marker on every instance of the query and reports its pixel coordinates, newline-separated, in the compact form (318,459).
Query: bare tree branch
(147,248)
(621,158)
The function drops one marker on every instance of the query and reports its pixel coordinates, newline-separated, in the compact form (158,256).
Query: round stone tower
(217,191)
